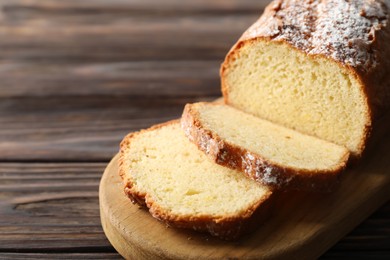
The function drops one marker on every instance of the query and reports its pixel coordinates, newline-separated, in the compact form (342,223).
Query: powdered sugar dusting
(269,177)
(342,29)
(259,169)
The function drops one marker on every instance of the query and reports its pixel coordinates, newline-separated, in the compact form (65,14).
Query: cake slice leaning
(165,172)
(268,153)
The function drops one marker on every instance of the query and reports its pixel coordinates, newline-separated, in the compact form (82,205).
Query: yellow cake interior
(276,144)
(178,177)
(313,95)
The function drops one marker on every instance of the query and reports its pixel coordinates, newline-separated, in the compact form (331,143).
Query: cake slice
(165,172)
(268,153)
(319,67)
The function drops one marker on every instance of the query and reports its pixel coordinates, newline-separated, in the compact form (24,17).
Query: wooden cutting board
(301,225)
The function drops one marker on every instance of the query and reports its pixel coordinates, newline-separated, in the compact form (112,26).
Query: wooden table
(76,76)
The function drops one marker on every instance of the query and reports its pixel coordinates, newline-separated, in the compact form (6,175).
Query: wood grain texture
(301,225)
(50,208)
(144,79)
(120,31)
(75,77)
(172,6)
(77,128)
(39,256)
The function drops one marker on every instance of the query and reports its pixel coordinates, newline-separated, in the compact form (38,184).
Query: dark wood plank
(48,64)
(77,128)
(121,43)
(38,256)
(51,209)
(143,79)
(172,39)
(93,6)
(357,255)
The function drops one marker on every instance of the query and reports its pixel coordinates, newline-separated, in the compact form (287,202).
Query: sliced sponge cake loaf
(163,170)
(319,67)
(266,152)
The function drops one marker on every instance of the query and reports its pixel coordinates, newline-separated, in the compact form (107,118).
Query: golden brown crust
(227,228)
(372,42)
(256,166)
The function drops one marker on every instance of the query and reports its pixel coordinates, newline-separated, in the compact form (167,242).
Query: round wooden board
(301,226)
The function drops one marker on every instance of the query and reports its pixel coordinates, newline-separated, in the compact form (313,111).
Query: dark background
(75,77)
